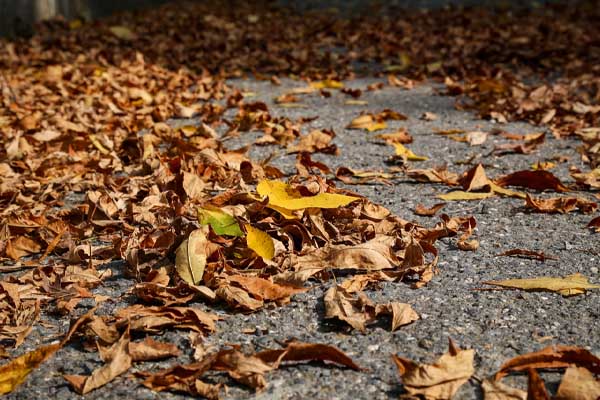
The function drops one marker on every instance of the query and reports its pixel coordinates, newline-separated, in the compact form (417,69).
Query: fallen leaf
(190,257)
(316,141)
(537,180)
(260,242)
(14,372)
(420,209)
(476,138)
(570,285)
(327,84)
(561,205)
(283,195)
(557,356)
(594,224)
(118,361)
(524,253)
(496,390)
(367,122)
(536,390)
(221,222)
(405,153)
(122,32)
(440,380)
(459,195)
(399,136)
(150,350)
(578,383)
(429,116)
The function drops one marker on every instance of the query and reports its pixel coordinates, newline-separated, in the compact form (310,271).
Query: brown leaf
(475,179)
(402,313)
(440,380)
(420,209)
(496,390)
(558,356)
(594,224)
(537,180)
(536,390)
(300,351)
(149,350)
(524,253)
(21,246)
(342,305)
(118,360)
(316,141)
(578,383)
(560,205)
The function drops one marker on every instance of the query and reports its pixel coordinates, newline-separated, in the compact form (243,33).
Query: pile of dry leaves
(91,171)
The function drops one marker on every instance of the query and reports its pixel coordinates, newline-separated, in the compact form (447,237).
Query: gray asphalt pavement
(497,324)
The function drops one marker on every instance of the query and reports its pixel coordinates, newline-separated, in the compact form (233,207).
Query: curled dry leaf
(570,285)
(247,369)
(578,383)
(560,205)
(551,357)
(524,253)
(190,257)
(406,153)
(420,209)
(496,390)
(537,180)
(118,361)
(317,141)
(399,136)
(440,380)
(594,224)
(536,389)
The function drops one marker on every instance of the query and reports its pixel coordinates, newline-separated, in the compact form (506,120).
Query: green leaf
(220,222)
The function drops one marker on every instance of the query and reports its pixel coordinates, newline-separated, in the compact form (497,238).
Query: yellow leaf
(367,122)
(190,257)
(458,195)
(283,195)
(506,192)
(403,151)
(122,32)
(287,214)
(568,286)
(96,142)
(75,24)
(327,84)
(15,372)
(356,102)
(543,165)
(260,242)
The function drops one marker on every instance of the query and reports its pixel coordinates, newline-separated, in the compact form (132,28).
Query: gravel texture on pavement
(497,324)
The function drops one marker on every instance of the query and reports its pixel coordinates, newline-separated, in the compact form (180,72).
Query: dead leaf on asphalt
(191,256)
(496,390)
(570,285)
(117,361)
(524,253)
(578,383)
(558,356)
(440,380)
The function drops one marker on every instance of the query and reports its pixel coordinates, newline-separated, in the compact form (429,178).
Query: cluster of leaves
(90,171)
